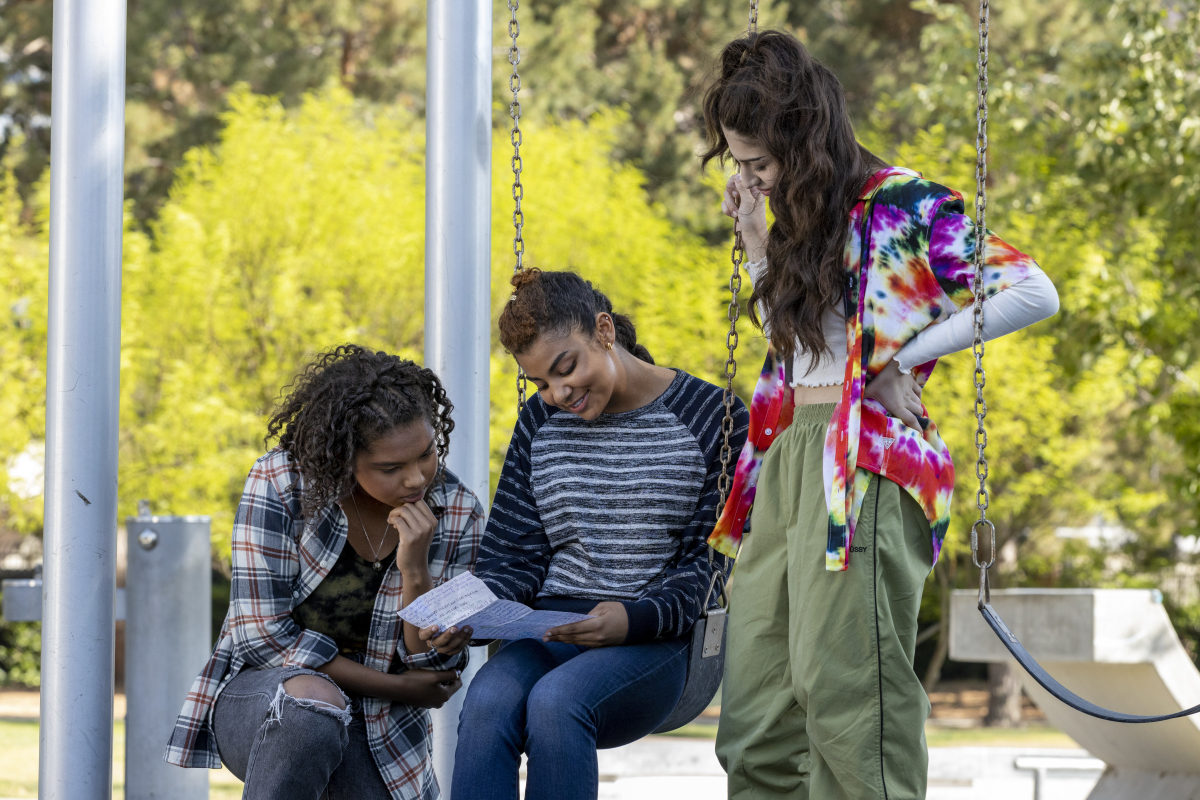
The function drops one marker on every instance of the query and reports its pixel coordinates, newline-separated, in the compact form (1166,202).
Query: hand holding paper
(466,600)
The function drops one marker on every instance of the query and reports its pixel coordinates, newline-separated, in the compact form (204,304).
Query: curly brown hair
(769,89)
(341,403)
(559,302)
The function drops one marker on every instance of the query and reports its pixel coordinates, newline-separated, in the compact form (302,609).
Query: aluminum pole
(458,209)
(87,138)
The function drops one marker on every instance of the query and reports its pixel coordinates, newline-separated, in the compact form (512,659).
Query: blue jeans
(282,746)
(557,703)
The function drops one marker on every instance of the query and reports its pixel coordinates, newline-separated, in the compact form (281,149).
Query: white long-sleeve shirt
(1024,303)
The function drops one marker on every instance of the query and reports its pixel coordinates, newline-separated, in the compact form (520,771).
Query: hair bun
(525,277)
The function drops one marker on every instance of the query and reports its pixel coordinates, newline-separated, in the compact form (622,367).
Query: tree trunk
(1004,705)
(346,67)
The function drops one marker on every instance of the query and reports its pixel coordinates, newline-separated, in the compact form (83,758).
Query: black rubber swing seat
(705,669)
(1030,664)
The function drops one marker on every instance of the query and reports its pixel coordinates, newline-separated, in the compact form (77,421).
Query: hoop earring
(608,346)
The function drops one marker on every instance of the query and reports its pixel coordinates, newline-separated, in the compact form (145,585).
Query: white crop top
(1020,305)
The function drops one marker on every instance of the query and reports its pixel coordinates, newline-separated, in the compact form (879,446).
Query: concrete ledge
(1119,783)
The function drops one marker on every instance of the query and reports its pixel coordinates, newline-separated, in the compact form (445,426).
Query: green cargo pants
(820,698)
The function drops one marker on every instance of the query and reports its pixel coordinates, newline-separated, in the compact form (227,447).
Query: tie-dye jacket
(918,271)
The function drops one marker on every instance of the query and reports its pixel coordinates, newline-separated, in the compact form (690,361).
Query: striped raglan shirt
(617,509)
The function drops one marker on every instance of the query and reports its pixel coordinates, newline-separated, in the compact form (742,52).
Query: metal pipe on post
(168,634)
(87,139)
(458,210)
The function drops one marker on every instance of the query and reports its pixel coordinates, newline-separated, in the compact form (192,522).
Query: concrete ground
(972,767)
(664,768)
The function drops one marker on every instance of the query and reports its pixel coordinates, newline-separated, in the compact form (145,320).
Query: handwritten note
(466,600)
(449,604)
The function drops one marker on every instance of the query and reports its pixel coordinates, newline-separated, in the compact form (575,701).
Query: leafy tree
(1091,153)
(20,653)
(303,229)
(648,57)
(23,287)
(298,232)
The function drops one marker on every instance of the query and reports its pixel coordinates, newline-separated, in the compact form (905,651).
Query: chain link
(737,255)
(518,190)
(752,27)
(982,496)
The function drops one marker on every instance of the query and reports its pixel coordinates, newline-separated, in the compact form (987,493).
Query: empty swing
(1010,641)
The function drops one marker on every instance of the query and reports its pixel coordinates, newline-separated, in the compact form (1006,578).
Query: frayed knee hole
(316,688)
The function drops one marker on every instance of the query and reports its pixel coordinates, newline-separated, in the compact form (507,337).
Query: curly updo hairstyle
(561,303)
(344,401)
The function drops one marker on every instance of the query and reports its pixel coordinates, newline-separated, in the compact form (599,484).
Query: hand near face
(749,208)
(608,626)
(900,394)
(415,524)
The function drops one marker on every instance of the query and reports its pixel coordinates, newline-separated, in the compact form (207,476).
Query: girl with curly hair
(608,493)
(316,688)
(863,281)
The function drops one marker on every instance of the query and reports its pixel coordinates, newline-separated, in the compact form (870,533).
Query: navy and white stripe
(615,509)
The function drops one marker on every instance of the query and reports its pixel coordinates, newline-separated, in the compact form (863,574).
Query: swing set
(706,651)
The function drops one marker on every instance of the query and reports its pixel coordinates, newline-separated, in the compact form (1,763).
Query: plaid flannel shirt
(277,562)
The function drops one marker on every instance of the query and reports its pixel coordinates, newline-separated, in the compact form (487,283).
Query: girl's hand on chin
(415,524)
(608,626)
(900,394)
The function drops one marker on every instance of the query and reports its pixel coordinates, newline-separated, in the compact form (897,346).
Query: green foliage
(304,229)
(1186,619)
(297,222)
(22,350)
(1092,153)
(648,57)
(20,653)
(299,232)
(1094,142)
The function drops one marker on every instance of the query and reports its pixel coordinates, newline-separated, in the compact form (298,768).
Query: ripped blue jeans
(287,747)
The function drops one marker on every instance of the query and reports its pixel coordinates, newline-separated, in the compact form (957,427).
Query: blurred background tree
(274,158)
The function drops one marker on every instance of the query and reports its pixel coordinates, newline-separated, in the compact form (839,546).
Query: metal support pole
(87,139)
(458,208)
(168,634)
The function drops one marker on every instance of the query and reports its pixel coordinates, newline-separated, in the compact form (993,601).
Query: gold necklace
(377,565)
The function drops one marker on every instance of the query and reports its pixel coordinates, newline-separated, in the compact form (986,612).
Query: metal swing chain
(737,255)
(518,190)
(731,342)
(725,481)
(981,464)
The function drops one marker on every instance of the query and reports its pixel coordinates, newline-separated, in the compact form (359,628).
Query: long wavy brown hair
(767,88)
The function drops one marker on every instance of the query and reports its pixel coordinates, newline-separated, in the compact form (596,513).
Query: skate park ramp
(1116,648)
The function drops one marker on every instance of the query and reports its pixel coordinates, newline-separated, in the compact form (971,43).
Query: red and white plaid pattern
(278,561)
